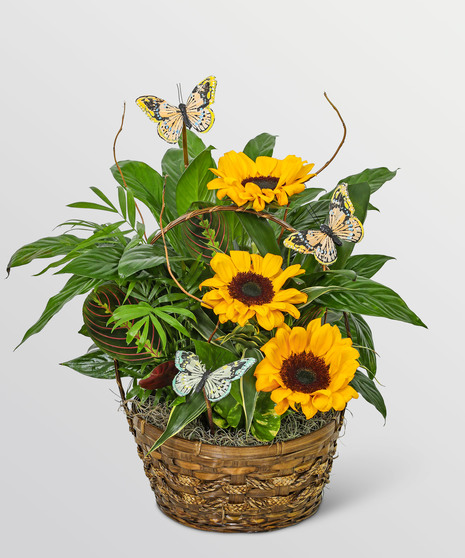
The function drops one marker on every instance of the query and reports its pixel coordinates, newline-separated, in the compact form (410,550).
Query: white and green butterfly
(194,376)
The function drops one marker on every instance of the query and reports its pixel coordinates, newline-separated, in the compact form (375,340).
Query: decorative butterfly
(194,114)
(193,375)
(342,225)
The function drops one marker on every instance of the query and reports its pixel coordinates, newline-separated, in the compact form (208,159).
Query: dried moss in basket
(292,426)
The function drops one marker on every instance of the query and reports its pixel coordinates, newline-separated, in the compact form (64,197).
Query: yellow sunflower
(248,285)
(259,182)
(308,367)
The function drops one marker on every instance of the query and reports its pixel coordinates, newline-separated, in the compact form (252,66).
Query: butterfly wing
(168,117)
(200,116)
(218,382)
(342,220)
(297,241)
(191,372)
(325,250)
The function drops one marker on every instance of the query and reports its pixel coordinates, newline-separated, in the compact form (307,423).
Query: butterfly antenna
(178,85)
(313,215)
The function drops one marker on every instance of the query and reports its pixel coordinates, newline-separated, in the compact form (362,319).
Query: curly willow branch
(214,209)
(342,141)
(119,168)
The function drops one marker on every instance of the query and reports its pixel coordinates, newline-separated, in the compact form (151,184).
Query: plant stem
(184,145)
(209,412)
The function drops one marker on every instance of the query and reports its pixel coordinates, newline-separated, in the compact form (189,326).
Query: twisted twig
(342,141)
(197,212)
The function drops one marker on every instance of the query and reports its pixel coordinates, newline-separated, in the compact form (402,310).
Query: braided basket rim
(199,448)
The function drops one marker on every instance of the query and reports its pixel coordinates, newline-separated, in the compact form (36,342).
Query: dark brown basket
(246,489)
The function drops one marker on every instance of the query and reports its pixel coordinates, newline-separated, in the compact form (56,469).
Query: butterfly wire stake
(184,129)
(119,168)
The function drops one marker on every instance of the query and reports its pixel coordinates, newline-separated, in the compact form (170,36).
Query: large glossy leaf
(266,422)
(230,411)
(261,145)
(143,256)
(98,364)
(213,356)
(180,416)
(47,247)
(249,394)
(367,265)
(205,326)
(75,286)
(192,185)
(260,232)
(363,340)
(145,183)
(98,308)
(365,296)
(172,166)
(100,262)
(368,390)
(375,177)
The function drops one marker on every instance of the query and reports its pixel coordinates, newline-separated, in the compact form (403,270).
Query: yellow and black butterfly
(194,114)
(342,225)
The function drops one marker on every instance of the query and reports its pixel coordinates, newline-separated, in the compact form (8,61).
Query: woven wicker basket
(246,489)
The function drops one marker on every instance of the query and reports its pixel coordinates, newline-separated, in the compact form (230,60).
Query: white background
(71,482)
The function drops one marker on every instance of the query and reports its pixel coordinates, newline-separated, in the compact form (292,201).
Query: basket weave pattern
(245,489)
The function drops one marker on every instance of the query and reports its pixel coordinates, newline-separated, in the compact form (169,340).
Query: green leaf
(260,232)
(99,307)
(299,200)
(97,364)
(205,326)
(172,322)
(368,390)
(75,286)
(213,356)
(192,185)
(375,177)
(145,256)
(103,197)
(122,201)
(266,422)
(44,248)
(363,339)
(172,166)
(365,296)
(261,145)
(131,208)
(195,145)
(100,263)
(145,183)
(91,205)
(367,265)
(248,391)
(230,410)
(180,416)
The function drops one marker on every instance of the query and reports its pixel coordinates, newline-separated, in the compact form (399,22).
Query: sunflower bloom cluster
(310,368)
(259,182)
(247,286)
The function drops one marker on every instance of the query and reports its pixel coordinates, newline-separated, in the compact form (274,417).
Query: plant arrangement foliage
(242,300)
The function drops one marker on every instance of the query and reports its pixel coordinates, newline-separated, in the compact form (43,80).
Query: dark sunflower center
(305,372)
(251,288)
(263,182)
(305,376)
